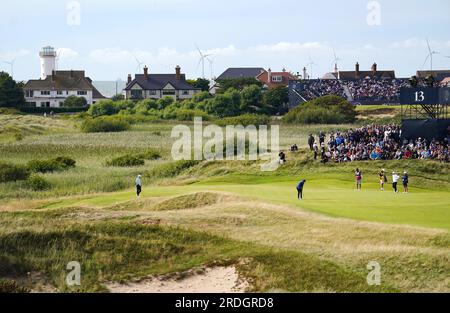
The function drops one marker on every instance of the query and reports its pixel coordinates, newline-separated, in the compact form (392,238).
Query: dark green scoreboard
(425,95)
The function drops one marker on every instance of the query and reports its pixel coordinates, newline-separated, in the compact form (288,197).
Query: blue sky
(267,33)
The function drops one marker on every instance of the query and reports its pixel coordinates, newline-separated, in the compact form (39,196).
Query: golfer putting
(300,189)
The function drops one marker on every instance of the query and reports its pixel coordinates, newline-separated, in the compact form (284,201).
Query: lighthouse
(48,61)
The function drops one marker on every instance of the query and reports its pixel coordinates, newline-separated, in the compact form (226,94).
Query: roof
(64,80)
(159,81)
(241,72)
(437,74)
(286,77)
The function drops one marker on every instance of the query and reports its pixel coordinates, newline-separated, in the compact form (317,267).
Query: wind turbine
(202,60)
(335,61)
(11,63)
(211,65)
(429,56)
(310,64)
(139,64)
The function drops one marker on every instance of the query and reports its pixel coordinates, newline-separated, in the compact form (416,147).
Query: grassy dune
(218,213)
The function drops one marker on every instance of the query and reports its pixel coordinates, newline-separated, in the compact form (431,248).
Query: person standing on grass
(358,178)
(311,141)
(138,183)
(395,179)
(300,189)
(383,179)
(405,181)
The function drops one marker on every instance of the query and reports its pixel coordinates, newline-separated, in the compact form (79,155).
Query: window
(185,92)
(152,92)
(277,79)
(45,92)
(169,92)
(136,94)
(82,93)
(29,93)
(59,92)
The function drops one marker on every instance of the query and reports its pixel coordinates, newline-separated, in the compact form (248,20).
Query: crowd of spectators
(375,89)
(322,87)
(376,142)
(361,90)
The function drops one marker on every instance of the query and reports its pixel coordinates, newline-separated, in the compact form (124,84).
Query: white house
(53,87)
(156,86)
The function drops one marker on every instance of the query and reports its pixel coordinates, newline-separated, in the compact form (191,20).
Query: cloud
(420,43)
(66,53)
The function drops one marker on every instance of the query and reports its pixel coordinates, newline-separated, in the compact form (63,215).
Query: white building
(53,87)
(156,86)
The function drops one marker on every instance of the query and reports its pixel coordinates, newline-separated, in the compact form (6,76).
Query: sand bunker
(209,280)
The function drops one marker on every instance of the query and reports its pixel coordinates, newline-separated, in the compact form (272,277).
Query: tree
(11,93)
(200,83)
(251,99)
(118,97)
(237,83)
(276,99)
(223,105)
(75,102)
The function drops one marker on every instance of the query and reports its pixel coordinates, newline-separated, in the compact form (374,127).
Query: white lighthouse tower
(48,61)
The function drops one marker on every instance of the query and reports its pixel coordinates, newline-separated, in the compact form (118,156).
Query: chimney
(269,75)
(53,75)
(357,73)
(129,79)
(178,72)
(146,72)
(71,73)
(374,69)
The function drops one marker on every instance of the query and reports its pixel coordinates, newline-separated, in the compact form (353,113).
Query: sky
(110,39)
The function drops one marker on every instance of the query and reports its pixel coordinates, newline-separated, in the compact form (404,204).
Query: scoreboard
(425,95)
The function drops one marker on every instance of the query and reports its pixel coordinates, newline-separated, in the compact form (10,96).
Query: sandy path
(212,280)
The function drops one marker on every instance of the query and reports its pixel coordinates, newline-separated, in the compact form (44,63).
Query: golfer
(138,183)
(383,179)
(300,189)
(358,177)
(405,181)
(395,179)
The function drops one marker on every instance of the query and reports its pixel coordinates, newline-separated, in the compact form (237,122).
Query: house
(157,86)
(53,87)
(271,79)
(358,74)
(241,72)
(438,75)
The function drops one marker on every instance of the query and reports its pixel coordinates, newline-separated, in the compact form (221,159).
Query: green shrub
(126,161)
(245,120)
(11,286)
(38,183)
(65,162)
(172,169)
(12,172)
(150,154)
(51,165)
(324,110)
(104,125)
(189,114)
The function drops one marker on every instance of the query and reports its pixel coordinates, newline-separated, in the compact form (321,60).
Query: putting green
(331,197)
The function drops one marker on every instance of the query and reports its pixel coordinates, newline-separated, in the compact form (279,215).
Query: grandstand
(359,87)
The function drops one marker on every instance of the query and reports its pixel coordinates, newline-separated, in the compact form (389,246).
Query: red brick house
(274,79)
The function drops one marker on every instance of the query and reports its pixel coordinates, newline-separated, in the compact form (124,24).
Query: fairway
(331,197)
